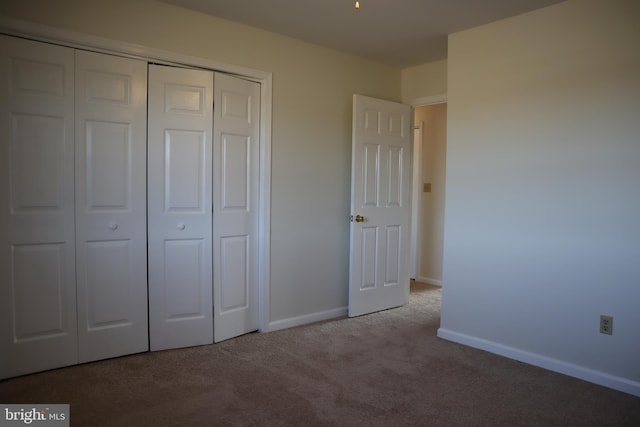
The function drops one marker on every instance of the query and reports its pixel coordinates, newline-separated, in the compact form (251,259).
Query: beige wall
(543,189)
(311,135)
(424,81)
(433,119)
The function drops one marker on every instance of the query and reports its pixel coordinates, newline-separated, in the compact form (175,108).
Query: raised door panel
(392,261)
(109,271)
(235,174)
(395,176)
(369,261)
(110,205)
(180,207)
(108,166)
(37,251)
(37,159)
(37,292)
(234,255)
(371,175)
(183,271)
(184,174)
(235,218)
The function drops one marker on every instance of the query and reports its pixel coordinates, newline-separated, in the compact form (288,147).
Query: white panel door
(380,205)
(37,256)
(180,207)
(111,216)
(236,150)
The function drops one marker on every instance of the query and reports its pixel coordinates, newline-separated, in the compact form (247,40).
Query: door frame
(416,190)
(29,30)
(416,196)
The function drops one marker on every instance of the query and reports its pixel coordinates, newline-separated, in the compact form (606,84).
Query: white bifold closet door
(111,215)
(180,207)
(73,284)
(88,187)
(236,151)
(37,258)
(203,206)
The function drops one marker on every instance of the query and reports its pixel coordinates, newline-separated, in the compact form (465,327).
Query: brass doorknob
(360,218)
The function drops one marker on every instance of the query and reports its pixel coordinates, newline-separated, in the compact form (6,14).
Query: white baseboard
(306,319)
(429,281)
(596,377)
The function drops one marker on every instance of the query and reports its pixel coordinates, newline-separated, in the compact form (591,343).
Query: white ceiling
(397,32)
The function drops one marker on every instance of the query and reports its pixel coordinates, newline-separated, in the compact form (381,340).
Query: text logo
(37,415)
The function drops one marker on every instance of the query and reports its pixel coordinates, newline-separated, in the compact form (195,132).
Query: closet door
(235,200)
(179,207)
(111,238)
(37,257)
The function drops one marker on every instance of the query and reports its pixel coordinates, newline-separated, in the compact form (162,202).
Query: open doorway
(429,166)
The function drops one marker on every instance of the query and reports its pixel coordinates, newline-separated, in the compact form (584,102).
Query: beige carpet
(384,369)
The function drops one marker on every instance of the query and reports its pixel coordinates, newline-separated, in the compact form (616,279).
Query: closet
(121,234)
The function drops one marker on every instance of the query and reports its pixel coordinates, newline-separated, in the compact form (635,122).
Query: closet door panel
(235,217)
(41,317)
(109,266)
(179,204)
(111,205)
(182,278)
(37,256)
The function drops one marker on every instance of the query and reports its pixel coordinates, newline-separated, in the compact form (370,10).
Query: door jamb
(416,205)
(38,32)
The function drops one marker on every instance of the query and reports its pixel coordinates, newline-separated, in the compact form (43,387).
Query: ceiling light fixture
(357,5)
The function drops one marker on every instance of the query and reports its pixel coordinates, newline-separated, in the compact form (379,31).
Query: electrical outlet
(606,324)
